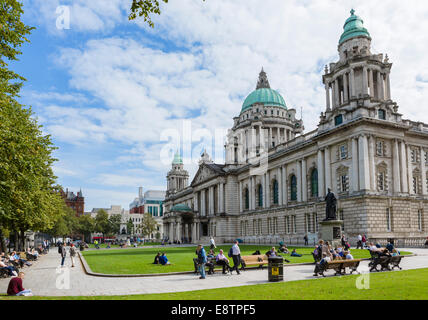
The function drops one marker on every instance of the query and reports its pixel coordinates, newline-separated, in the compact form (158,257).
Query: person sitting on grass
(295,254)
(283,249)
(157,258)
(10,270)
(15,287)
(163,260)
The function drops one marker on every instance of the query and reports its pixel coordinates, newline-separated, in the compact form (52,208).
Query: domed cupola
(354,27)
(264,95)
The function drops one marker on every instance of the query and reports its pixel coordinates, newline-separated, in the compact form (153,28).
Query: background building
(75,202)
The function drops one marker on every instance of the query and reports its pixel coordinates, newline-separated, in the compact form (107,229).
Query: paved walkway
(44,280)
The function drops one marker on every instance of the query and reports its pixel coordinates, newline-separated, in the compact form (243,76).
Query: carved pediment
(204,174)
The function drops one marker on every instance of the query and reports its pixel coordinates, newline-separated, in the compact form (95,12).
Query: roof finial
(263,81)
(352,11)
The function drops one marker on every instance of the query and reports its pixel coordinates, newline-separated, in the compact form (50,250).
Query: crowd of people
(11,265)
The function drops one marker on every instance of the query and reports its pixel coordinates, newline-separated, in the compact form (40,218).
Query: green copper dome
(264,95)
(181,208)
(354,27)
(177,159)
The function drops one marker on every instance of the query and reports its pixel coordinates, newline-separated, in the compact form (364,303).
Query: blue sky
(110,91)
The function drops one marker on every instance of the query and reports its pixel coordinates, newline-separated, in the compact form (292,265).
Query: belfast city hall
(275,177)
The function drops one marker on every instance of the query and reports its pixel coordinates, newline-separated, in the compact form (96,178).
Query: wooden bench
(338,265)
(209,266)
(381,263)
(254,260)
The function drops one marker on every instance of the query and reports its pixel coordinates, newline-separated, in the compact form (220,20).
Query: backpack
(230,254)
(59,250)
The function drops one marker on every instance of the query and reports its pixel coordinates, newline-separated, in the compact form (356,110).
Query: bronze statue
(330,208)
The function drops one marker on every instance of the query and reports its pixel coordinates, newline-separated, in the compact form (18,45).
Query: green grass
(397,285)
(139,261)
(103,245)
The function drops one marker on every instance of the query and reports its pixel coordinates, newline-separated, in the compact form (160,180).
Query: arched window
(275,192)
(314,183)
(293,188)
(260,192)
(247,199)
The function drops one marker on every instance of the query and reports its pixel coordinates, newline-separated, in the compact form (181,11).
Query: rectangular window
(343,152)
(294,224)
(382,114)
(315,219)
(388,220)
(344,183)
(338,120)
(260,226)
(287,224)
(413,155)
(420,224)
(381,181)
(380,148)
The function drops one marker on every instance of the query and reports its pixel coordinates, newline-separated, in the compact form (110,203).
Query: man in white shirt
(236,256)
(223,261)
(360,242)
(212,242)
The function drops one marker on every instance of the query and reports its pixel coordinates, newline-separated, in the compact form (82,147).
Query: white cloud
(206,61)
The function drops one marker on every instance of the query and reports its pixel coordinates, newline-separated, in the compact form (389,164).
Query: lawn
(140,261)
(396,285)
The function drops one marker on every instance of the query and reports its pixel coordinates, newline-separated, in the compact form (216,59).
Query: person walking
(62,251)
(306,239)
(360,242)
(212,244)
(236,256)
(202,260)
(72,254)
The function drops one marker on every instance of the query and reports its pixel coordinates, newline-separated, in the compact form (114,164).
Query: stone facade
(275,178)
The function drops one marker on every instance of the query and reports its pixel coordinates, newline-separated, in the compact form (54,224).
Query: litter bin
(276,269)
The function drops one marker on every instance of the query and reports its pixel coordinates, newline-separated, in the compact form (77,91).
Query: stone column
(352,82)
(253,192)
(371,83)
(403,168)
(423,172)
(240,197)
(410,170)
(365,83)
(345,88)
(211,200)
(396,166)
(267,189)
(280,186)
(327,95)
(327,170)
(264,189)
(171,231)
(178,234)
(372,163)
(203,209)
(221,197)
(355,174)
(299,180)
(304,181)
(380,86)
(321,189)
(333,94)
(194,232)
(388,87)
(337,92)
(195,202)
(363,161)
(284,186)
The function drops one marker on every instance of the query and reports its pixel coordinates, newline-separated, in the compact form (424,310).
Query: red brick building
(75,202)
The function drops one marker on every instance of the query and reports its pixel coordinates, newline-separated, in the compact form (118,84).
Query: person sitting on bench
(325,259)
(272,252)
(348,255)
(223,261)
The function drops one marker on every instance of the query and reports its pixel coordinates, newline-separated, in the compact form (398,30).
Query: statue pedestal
(331,231)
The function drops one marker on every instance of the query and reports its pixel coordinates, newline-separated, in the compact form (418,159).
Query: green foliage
(148,225)
(102,224)
(130,226)
(114,222)
(144,8)
(13,34)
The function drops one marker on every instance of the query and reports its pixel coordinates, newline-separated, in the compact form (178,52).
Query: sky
(119,98)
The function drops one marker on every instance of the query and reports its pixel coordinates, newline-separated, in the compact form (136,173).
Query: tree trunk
(2,242)
(22,244)
(15,241)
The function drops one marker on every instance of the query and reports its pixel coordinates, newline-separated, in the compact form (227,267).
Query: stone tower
(178,178)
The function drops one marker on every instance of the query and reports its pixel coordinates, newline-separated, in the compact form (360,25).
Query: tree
(102,224)
(86,226)
(148,225)
(130,226)
(29,198)
(144,8)
(13,34)
(115,220)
